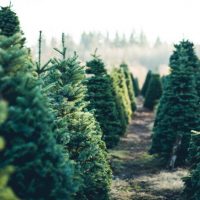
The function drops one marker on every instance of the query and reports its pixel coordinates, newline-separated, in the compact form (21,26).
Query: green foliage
(135,85)
(122,97)
(177,114)
(41,170)
(102,101)
(146,83)
(185,56)
(129,84)
(153,92)
(5,192)
(76,129)
(9,22)
(192,187)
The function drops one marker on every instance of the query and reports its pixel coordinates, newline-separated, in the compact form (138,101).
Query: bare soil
(136,174)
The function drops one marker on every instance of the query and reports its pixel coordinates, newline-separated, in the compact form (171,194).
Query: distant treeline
(135,49)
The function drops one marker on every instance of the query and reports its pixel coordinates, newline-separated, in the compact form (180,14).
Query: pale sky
(172,20)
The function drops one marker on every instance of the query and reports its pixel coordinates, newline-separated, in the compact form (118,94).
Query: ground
(138,175)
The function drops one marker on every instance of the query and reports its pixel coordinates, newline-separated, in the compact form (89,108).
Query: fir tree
(122,97)
(9,22)
(135,85)
(129,84)
(41,170)
(76,128)
(102,101)
(146,83)
(160,114)
(153,92)
(178,112)
(192,187)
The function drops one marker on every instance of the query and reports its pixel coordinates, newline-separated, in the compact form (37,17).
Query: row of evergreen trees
(60,117)
(178,114)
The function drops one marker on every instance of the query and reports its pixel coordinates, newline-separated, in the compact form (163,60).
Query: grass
(138,175)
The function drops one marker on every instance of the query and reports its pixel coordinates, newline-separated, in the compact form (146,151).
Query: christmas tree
(153,92)
(135,85)
(9,22)
(41,169)
(122,97)
(192,188)
(102,101)
(146,83)
(129,84)
(76,129)
(178,109)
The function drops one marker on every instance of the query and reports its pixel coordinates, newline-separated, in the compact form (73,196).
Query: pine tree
(146,83)
(135,85)
(76,128)
(178,113)
(160,114)
(122,97)
(153,92)
(9,22)
(192,187)
(41,169)
(129,84)
(101,96)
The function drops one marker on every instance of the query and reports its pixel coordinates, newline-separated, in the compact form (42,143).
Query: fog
(135,50)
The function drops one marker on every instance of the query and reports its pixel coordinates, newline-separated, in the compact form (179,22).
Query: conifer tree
(129,84)
(102,101)
(41,170)
(9,22)
(122,97)
(5,192)
(76,129)
(146,83)
(135,85)
(192,187)
(178,112)
(153,92)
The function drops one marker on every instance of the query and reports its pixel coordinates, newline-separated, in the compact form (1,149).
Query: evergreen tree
(178,112)
(156,145)
(192,187)
(122,97)
(5,192)
(102,101)
(146,83)
(76,128)
(135,85)
(9,22)
(153,92)
(41,170)
(129,84)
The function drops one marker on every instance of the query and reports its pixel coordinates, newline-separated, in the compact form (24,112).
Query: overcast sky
(172,20)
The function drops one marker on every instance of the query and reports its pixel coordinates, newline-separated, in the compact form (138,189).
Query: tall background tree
(146,83)
(153,92)
(135,85)
(102,101)
(122,98)
(129,84)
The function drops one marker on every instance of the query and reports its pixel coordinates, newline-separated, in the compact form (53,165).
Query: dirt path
(136,174)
